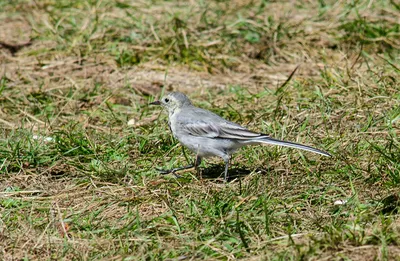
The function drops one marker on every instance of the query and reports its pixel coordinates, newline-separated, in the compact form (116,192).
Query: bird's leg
(226,168)
(195,165)
(168,171)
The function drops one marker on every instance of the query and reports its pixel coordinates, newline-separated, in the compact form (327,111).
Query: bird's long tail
(272,141)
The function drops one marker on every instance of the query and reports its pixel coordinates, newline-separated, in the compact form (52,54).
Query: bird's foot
(169,171)
(172,171)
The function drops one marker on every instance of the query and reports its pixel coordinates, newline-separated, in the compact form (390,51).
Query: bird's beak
(155,103)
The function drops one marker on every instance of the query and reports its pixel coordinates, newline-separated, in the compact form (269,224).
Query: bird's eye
(166,100)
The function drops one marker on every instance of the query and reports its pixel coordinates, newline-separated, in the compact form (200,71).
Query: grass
(79,145)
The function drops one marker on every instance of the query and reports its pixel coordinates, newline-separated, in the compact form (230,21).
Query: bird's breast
(173,125)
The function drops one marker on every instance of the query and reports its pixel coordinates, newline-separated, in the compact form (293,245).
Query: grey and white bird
(206,134)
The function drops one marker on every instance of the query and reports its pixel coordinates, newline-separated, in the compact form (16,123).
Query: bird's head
(173,101)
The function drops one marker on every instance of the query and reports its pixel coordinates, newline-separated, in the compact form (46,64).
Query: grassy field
(79,145)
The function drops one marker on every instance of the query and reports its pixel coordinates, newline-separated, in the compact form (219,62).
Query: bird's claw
(165,171)
(168,171)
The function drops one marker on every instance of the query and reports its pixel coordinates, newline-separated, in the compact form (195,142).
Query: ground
(80,146)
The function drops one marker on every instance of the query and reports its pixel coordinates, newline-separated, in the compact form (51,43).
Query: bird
(207,134)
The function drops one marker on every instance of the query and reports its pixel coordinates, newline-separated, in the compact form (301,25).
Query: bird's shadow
(216,171)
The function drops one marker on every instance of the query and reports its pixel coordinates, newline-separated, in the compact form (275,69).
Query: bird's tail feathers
(272,141)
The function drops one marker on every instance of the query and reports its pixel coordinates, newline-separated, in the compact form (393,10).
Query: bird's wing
(201,128)
(234,131)
(214,126)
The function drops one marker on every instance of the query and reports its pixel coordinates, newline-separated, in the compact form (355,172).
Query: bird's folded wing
(223,130)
